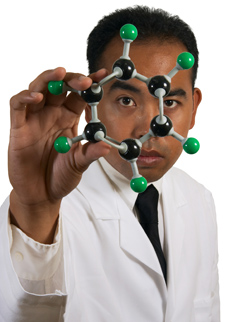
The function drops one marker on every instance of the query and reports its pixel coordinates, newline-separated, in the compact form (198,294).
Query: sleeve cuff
(32,260)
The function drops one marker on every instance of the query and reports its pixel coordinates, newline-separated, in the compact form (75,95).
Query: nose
(144,118)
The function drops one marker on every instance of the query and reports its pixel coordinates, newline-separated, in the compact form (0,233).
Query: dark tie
(146,204)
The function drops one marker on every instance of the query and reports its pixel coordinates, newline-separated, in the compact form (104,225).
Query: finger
(18,104)
(78,81)
(74,80)
(40,84)
(99,75)
(74,102)
(81,82)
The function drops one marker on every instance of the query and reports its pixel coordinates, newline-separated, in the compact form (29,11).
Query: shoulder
(179,175)
(180,182)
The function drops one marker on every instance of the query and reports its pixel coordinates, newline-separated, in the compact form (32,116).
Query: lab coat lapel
(97,189)
(107,204)
(134,241)
(173,204)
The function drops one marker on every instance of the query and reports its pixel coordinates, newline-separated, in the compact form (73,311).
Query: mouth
(149,158)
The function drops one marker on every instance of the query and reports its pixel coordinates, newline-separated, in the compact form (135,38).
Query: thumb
(88,153)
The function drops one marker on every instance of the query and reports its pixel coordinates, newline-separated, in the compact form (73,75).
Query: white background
(41,35)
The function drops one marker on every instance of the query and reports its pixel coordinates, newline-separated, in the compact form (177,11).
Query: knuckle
(39,80)
(31,84)
(12,101)
(17,99)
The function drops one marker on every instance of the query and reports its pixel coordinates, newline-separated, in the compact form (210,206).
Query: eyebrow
(123,85)
(126,86)
(177,92)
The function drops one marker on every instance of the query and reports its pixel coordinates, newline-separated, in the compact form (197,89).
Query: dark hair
(150,22)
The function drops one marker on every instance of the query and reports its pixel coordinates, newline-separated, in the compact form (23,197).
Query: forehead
(150,57)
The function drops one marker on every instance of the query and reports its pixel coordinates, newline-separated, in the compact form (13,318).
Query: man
(77,249)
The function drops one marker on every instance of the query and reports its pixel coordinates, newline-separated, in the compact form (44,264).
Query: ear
(88,114)
(197,97)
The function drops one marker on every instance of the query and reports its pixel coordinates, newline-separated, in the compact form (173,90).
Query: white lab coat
(112,273)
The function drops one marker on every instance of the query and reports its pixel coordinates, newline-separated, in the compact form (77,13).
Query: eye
(126,101)
(170,103)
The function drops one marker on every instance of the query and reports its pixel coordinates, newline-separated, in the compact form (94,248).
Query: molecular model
(160,126)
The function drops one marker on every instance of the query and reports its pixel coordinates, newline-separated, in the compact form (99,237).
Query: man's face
(127,107)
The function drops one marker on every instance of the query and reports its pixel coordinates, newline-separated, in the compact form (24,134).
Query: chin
(152,175)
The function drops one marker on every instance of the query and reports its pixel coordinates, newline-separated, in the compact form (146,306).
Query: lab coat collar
(96,183)
(122,184)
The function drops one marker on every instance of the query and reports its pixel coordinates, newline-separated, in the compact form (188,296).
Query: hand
(39,175)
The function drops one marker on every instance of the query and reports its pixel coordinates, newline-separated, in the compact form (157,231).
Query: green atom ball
(129,32)
(62,145)
(55,87)
(191,146)
(185,60)
(138,184)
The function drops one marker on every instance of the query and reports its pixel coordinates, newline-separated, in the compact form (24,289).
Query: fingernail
(34,94)
(81,78)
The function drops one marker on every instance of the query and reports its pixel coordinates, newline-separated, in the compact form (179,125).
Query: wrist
(37,220)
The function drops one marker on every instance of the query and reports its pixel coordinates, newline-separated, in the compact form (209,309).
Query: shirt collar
(122,184)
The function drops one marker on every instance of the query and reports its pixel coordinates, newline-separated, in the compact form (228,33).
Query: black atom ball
(127,67)
(92,128)
(161,129)
(157,82)
(133,150)
(90,96)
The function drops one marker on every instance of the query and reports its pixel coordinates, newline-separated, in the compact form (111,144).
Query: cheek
(181,122)
(174,151)
(117,127)
(106,112)
(173,146)
(176,148)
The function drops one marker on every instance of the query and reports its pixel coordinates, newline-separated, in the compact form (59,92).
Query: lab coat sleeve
(215,275)
(32,276)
